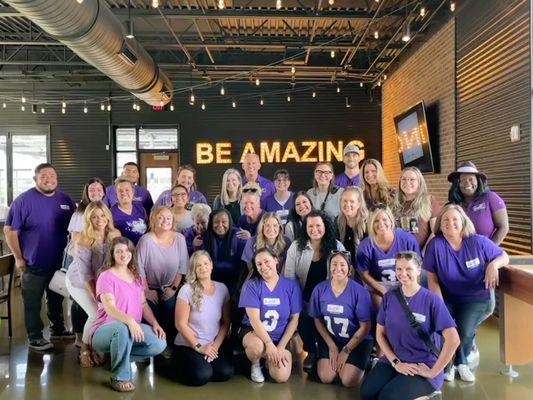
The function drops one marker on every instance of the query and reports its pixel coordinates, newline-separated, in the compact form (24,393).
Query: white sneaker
(465,374)
(473,358)
(256,375)
(450,375)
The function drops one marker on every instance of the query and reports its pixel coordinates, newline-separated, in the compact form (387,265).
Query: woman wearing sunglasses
(324,194)
(252,212)
(342,312)
(414,360)
(375,254)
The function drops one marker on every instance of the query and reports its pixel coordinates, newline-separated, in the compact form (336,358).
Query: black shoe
(40,345)
(62,335)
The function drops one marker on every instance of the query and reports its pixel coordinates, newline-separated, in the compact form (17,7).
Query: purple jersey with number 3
(275,307)
(341,315)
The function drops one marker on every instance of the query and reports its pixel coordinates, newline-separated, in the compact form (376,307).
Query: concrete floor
(29,375)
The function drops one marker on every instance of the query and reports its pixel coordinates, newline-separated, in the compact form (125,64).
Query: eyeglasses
(320,172)
(250,190)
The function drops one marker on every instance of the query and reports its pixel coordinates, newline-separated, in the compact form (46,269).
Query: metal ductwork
(92,31)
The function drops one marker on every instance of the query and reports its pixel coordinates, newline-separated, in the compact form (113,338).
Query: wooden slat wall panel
(493,93)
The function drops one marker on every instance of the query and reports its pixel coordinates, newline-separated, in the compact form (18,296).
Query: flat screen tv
(414,146)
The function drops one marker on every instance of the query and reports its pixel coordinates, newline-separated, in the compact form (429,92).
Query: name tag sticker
(388,262)
(271,301)
(479,207)
(420,318)
(335,308)
(65,207)
(473,263)
(282,213)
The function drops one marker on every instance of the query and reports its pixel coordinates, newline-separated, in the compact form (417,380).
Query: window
(160,139)
(20,153)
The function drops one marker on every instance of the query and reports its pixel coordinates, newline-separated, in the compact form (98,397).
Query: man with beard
(36,233)
(350,175)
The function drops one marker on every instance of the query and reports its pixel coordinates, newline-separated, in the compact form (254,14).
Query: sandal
(122,386)
(85,359)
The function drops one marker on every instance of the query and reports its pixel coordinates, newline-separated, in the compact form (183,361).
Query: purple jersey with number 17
(341,314)
(275,306)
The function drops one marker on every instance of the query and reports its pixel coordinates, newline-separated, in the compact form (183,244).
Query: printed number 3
(271,320)
(339,321)
(388,275)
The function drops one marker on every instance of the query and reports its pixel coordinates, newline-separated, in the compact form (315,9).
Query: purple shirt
(432,315)
(132,226)
(190,234)
(41,222)
(341,315)
(480,211)
(461,272)
(271,205)
(380,264)
(344,180)
(243,223)
(275,307)
(140,195)
(85,265)
(128,298)
(205,321)
(250,248)
(267,186)
(165,198)
(159,265)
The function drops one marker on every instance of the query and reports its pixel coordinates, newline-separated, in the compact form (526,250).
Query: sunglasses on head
(406,255)
(250,190)
(378,206)
(342,252)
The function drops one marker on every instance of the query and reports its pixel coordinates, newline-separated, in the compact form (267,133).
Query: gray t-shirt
(204,322)
(159,265)
(332,206)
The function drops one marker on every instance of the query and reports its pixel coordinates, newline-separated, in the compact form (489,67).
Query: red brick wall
(428,74)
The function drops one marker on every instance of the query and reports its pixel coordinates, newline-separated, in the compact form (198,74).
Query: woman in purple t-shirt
(411,367)
(202,317)
(273,304)
(485,208)
(129,216)
(121,306)
(463,269)
(342,312)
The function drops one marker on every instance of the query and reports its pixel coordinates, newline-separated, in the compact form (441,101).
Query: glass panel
(123,158)
(126,139)
(158,180)
(3,173)
(28,152)
(158,138)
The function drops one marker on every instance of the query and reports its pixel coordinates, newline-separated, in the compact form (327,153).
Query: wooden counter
(516,311)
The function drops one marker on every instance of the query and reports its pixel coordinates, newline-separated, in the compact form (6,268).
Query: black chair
(7,267)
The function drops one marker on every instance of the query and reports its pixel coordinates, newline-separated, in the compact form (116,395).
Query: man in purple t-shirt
(130,171)
(36,232)
(350,175)
(251,166)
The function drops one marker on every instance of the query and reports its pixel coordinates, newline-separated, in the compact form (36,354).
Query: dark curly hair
(329,240)
(210,236)
(109,261)
(255,272)
(456,197)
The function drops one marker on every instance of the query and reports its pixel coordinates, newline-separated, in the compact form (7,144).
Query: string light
(452,6)
(331,2)
(161,103)
(63,110)
(63,104)
(134,105)
(385,77)
(332,54)
(360,84)
(22,108)
(192,99)
(257,82)
(261,102)
(102,107)
(422,12)
(171,106)
(406,35)
(155,3)
(222,90)
(278,4)
(108,105)
(289,98)
(34,108)
(233,103)
(348,104)
(85,109)
(293,70)
(23,99)
(221,4)
(338,89)
(203,105)
(376,35)
(4,105)
(42,110)
(379,83)
(313,94)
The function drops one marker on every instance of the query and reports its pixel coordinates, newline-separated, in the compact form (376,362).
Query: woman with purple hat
(485,208)
(462,268)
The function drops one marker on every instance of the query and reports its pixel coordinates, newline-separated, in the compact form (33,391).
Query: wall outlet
(515,133)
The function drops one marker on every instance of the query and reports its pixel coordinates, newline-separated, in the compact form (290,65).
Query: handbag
(422,334)
(58,283)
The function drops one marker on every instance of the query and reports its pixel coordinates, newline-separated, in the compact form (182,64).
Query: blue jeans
(114,337)
(467,316)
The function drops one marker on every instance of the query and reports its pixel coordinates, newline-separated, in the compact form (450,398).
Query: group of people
(370,277)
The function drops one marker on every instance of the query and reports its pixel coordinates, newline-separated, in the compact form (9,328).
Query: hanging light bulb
(222,90)
(422,12)
(34,108)
(79,1)
(155,3)
(331,2)
(348,104)
(233,103)
(102,107)
(385,77)
(63,110)
(257,82)
(379,83)
(289,98)
(192,99)
(134,105)
(452,6)
(360,84)
(63,104)
(338,89)
(22,108)
(261,102)
(4,105)
(293,70)
(108,106)
(332,54)
(171,106)
(376,35)
(85,109)
(278,4)
(221,4)
(42,110)
(23,99)
(203,105)
(313,94)
(406,35)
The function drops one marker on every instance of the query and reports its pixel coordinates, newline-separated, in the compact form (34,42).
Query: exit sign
(157,108)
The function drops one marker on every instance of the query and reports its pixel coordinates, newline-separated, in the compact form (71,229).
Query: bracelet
(346,350)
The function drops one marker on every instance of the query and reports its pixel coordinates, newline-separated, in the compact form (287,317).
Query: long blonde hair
(361,217)
(192,279)
(224,196)
(373,215)
(88,230)
(421,205)
(261,241)
(383,192)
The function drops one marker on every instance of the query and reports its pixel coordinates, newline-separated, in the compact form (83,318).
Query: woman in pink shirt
(121,306)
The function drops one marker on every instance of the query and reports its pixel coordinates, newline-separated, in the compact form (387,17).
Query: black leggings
(192,369)
(78,317)
(385,383)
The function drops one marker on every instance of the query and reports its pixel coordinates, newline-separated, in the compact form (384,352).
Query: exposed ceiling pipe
(93,32)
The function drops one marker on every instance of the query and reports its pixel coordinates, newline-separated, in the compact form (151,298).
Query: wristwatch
(346,350)
(395,362)
(197,346)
